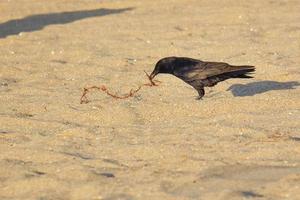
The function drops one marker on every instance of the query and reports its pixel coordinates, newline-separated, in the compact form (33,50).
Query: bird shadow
(38,22)
(251,89)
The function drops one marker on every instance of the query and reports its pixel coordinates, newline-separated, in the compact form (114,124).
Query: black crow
(200,74)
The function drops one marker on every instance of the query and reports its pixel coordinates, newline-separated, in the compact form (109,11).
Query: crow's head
(164,65)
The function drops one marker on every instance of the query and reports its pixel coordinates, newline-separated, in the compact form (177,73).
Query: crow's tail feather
(241,72)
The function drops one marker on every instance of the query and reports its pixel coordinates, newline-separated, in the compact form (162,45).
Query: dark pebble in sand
(4,132)
(297,139)
(108,175)
(119,197)
(250,194)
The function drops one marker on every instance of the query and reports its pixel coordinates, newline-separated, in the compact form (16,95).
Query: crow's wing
(203,70)
(209,73)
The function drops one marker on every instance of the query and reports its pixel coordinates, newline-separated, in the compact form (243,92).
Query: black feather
(241,73)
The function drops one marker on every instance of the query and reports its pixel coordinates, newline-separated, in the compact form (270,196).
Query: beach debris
(104,89)
(108,175)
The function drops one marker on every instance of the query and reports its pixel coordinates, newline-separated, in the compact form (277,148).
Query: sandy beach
(242,141)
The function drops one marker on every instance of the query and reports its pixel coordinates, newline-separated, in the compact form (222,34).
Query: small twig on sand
(152,83)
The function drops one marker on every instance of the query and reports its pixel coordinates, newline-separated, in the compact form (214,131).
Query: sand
(242,141)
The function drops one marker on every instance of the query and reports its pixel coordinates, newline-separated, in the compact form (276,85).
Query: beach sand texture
(242,141)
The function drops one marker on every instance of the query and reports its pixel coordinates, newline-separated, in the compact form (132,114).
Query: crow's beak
(153,74)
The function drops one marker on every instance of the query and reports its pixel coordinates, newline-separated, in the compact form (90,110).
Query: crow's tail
(241,72)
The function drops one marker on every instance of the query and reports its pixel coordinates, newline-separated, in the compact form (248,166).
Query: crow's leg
(201,93)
